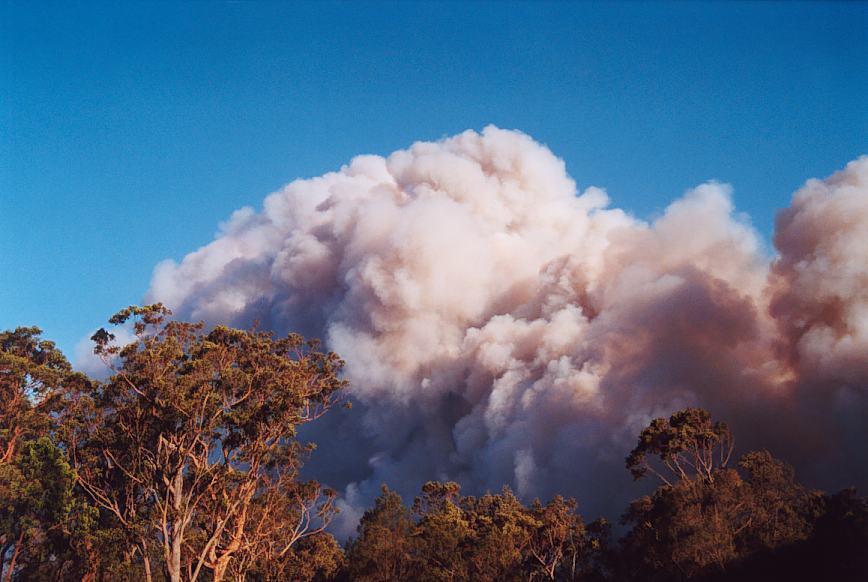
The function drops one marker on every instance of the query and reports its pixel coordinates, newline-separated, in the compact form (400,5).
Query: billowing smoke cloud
(500,327)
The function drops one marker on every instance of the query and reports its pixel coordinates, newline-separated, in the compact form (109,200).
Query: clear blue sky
(128,131)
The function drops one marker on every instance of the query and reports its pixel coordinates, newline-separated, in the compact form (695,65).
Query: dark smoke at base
(500,327)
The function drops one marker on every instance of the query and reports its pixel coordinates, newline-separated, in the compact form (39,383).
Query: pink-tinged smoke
(501,327)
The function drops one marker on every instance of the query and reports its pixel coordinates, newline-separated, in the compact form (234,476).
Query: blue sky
(129,131)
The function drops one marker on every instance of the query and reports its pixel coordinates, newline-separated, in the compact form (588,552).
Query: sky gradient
(127,133)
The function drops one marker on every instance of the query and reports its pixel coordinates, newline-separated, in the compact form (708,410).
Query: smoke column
(501,327)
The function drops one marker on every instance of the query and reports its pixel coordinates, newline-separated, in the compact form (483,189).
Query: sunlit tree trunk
(14,560)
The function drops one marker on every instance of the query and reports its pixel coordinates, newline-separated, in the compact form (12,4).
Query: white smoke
(500,327)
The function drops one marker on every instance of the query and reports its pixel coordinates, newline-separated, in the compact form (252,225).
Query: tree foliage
(191,445)
(447,536)
(688,445)
(705,517)
(185,464)
(41,519)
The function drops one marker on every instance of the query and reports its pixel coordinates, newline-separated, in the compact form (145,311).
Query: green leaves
(706,516)
(187,464)
(148,315)
(196,431)
(686,444)
(447,536)
(48,480)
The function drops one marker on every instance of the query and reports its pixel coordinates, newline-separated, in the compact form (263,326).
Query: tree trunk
(10,447)
(8,576)
(174,562)
(146,560)
(220,568)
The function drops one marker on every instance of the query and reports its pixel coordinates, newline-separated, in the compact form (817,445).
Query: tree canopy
(185,464)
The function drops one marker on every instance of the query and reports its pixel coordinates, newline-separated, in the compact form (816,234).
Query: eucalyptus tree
(192,443)
(37,496)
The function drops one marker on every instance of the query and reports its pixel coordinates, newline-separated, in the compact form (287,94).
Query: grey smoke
(501,327)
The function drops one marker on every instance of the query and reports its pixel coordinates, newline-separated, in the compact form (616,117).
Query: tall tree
(502,533)
(382,551)
(442,534)
(779,510)
(36,490)
(560,541)
(193,433)
(36,481)
(687,445)
(705,515)
(491,538)
(32,373)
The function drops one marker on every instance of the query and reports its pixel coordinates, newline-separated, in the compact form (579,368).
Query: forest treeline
(185,463)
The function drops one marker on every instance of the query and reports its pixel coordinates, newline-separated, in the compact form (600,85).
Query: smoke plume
(501,327)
